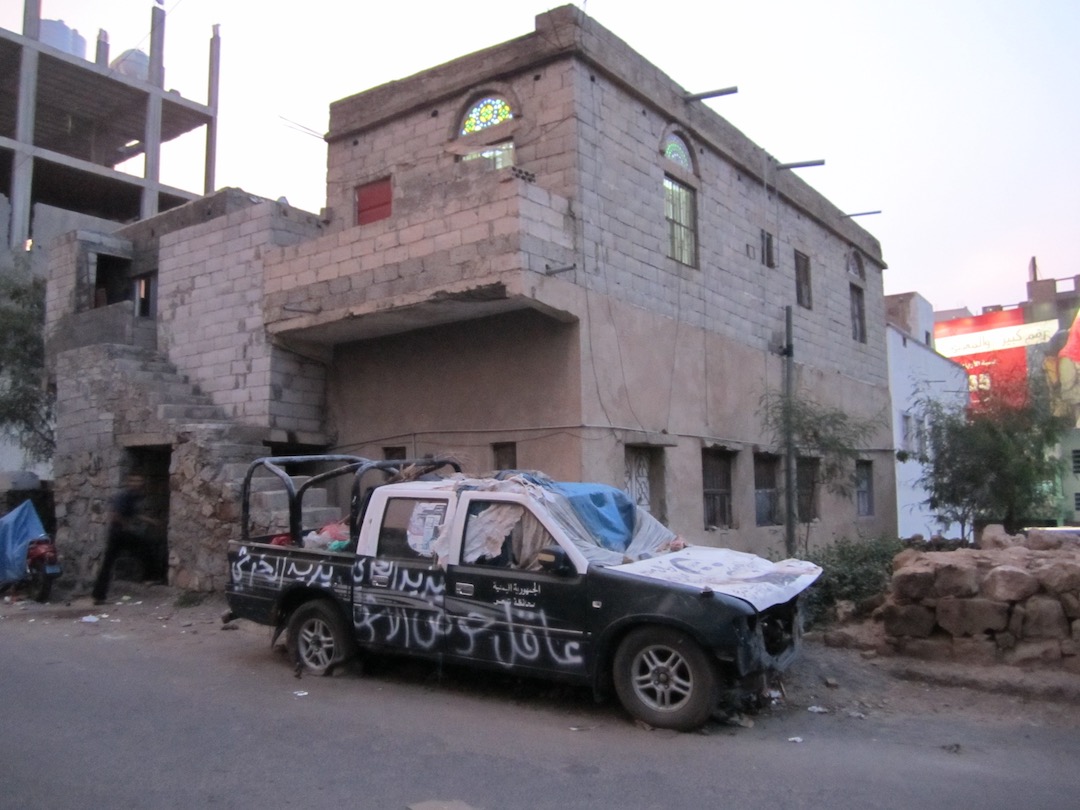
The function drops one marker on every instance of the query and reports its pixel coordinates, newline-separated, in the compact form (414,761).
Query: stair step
(193,412)
(312,518)
(273,500)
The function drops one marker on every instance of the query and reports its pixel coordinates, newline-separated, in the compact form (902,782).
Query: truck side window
(504,535)
(409,527)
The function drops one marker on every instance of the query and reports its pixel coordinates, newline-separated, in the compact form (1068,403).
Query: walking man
(127,532)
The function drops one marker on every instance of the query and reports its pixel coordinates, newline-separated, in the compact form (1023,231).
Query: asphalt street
(157,707)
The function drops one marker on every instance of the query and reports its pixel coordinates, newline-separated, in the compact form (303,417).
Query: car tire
(664,678)
(317,638)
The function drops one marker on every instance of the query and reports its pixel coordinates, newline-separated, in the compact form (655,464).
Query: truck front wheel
(317,637)
(665,679)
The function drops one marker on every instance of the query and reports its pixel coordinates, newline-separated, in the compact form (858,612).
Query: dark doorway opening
(152,463)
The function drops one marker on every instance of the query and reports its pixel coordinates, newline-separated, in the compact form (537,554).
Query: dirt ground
(850,681)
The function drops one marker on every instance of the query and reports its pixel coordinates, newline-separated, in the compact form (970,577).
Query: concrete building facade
(542,255)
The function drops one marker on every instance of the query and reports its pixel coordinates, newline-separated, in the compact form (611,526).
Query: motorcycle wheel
(40,585)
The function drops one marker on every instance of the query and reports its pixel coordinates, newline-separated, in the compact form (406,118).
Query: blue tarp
(17,528)
(607,512)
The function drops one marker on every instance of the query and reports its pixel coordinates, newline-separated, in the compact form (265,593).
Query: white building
(916,372)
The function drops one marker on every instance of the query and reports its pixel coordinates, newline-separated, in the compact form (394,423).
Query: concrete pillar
(152,138)
(31,26)
(212,103)
(23,170)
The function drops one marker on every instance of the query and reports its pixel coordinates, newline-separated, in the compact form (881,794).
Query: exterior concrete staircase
(269,504)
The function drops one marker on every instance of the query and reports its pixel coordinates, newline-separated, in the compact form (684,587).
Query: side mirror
(554,560)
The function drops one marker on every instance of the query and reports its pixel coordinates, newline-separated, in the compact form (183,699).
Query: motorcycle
(28,557)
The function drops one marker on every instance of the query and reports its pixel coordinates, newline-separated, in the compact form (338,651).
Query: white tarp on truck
(760,582)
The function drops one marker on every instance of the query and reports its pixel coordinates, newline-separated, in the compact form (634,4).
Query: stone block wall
(1018,604)
(211,288)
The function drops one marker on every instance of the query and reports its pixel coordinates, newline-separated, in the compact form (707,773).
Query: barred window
(768,255)
(766,489)
(858,314)
(803,293)
(864,488)
(807,472)
(716,466)
(679,205)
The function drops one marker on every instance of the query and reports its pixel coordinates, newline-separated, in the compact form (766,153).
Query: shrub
(853,570)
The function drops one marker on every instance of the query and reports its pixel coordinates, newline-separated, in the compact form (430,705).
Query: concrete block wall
(730,291)
(450,228)
(210,294)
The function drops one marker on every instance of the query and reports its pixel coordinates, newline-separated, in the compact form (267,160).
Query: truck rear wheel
(665,679)
(317,637)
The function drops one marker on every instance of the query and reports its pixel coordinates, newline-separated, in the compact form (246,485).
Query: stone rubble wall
(1014,600)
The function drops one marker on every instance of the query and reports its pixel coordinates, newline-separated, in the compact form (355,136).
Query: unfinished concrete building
(67,124)
(81,147)
(543,255)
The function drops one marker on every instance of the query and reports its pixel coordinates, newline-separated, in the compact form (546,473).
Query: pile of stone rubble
(1014,600)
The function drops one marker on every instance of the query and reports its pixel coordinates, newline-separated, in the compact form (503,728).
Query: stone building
(543,255)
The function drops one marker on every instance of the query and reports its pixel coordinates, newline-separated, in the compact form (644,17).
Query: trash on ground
(89,619)
(818,710)
(794,739)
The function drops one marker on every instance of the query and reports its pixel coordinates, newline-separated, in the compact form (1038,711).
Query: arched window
(676,150)
(487,112)
(680,203)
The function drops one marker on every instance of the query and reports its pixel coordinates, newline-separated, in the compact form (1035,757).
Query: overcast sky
(958,119)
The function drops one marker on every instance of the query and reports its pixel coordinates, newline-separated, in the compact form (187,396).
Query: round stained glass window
(487,112)
(676,150)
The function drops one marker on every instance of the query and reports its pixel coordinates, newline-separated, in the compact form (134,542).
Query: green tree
(26,401)
(831,436)
(992,462)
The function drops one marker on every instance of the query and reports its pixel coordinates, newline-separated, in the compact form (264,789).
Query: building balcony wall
(472,242)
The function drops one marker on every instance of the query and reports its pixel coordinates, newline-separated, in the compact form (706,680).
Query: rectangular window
(505,455)
(1076,501)
(908,439)
(803,293)
(373,201)
(498,155)
(394,453)
(768,255)
(1076,461)
(766,490)
(645,478)
(858,314)
(807,471)
(679,210)
(864,488)
(716,466)
(409,528)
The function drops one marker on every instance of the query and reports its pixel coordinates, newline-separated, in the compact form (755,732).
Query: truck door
(503,609)
(399,592)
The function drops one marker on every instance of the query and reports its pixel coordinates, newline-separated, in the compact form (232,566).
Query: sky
(957,119)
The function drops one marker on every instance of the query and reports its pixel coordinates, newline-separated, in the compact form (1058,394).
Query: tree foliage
(819,431)
(834,438)
(26,402)
(992,463)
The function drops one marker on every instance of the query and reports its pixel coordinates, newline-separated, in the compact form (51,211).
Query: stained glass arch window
(487,112)
(676,150)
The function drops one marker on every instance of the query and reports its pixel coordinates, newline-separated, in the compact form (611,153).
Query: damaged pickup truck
(518,573)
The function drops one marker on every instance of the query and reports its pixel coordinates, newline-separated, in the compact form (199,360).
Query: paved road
(156,707)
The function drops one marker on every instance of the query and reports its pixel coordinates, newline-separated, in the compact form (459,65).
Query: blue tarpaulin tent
(17,528)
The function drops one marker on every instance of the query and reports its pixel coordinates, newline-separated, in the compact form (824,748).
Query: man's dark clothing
(124,536)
